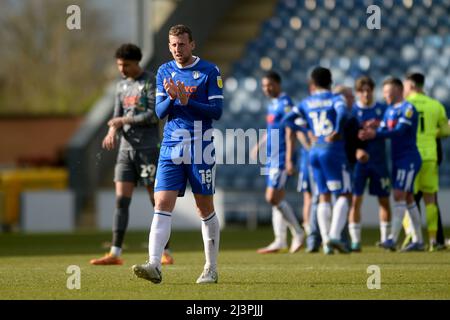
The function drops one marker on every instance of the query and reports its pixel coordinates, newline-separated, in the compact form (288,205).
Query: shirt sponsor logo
(130,101)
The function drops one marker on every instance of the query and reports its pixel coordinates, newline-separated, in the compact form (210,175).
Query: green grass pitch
(34,267)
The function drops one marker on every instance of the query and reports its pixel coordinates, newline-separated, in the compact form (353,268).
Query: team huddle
(343,149)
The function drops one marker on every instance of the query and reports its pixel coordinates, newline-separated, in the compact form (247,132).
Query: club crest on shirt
(378,112)
(409,113)
(195,74)
(219,82)
(173,74)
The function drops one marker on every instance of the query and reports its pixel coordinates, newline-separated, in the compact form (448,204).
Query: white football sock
(290,218)
(355,232)
(414,217)
(339,218)
(279,227)
(397,219)
(385,227)
(211,239)
(324,220)
(159,235)
(307,228)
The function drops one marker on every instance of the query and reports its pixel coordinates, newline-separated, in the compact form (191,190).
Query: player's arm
(295,120)
(289,138)
(212,109)
(109,142)
(258,146)
(303,139)
(341,116)
(166,94)
(382,133)
(443,123)
(290,145)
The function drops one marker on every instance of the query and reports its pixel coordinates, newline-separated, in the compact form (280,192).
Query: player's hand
(362,156)
(182,96)
(366,134)
(109,142)
(334,136)
(372,123)
(312,138)
(171,88)
(290,168)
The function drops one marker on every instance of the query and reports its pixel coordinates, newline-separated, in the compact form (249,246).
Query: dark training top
(135,98)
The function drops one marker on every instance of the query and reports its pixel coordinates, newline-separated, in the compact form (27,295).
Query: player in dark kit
(135,119)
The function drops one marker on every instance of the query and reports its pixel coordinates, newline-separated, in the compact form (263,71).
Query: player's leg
(379,186)
(170,182)
(324,204)
(313,241)
(167,254)
(354,217)
(201,176)
(125,178)
(354,223)
(278,223)
(159,236)
(279,226)
(385,217)
(397,219)
(429,186)
(275,196)
(399,174)
(406,184)
(146,163)
(339,183)
(306,211)
(304,187)
(432,217)
(211,237)
(440,237)
(124,191)
(416,223)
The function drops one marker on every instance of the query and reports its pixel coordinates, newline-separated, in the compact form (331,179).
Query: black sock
(120,221)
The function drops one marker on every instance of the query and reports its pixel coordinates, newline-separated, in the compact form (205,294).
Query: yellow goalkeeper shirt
(433,123)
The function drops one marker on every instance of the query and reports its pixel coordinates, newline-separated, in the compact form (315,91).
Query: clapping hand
(171,88)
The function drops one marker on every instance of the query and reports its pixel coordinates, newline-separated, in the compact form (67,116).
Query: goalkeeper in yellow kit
(433,124)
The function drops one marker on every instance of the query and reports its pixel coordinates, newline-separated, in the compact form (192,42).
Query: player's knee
(165,200)
(399,195)
(205,210)
(123,202)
